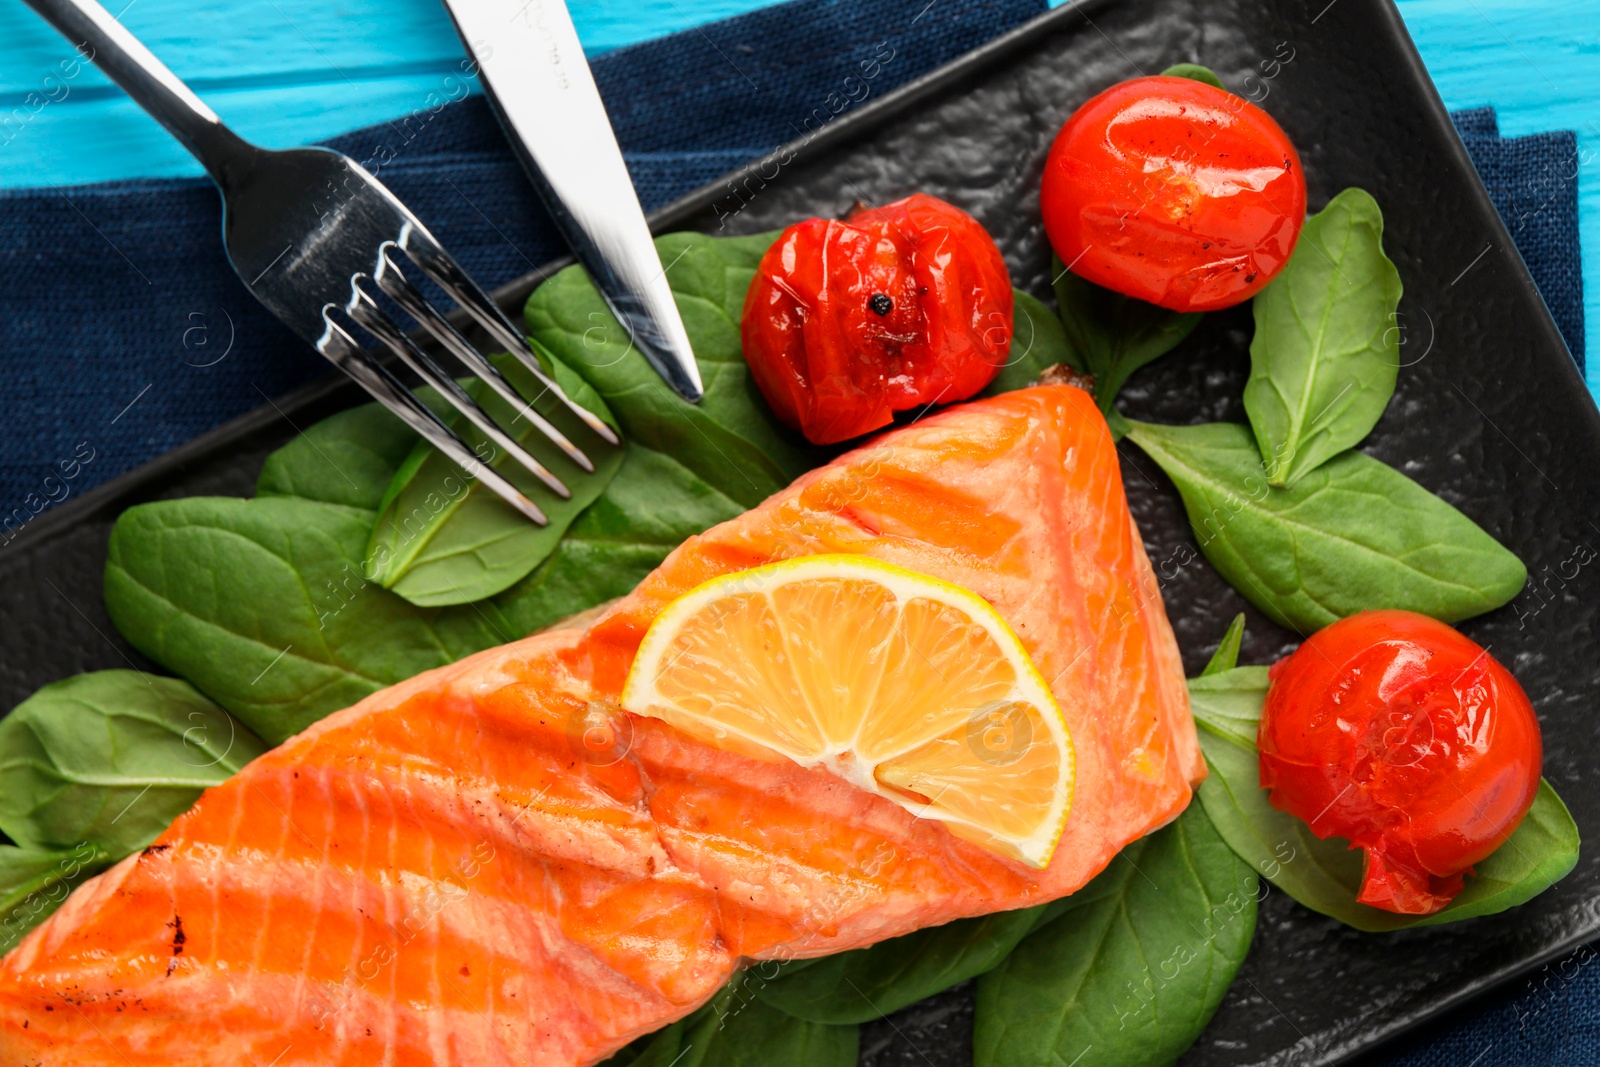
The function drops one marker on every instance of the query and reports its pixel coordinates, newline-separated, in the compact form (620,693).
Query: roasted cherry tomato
(1398,733)
(896,307)
(1175,192)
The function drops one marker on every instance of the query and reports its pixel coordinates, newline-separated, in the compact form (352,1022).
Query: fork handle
(101,38)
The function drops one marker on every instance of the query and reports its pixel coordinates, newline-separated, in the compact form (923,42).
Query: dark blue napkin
(1533,182)
(126,333)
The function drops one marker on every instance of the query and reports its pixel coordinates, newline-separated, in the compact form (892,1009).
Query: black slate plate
(1490,413)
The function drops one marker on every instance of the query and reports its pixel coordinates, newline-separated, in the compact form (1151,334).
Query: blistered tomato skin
(848,322)
(1407,738)
(1174,192)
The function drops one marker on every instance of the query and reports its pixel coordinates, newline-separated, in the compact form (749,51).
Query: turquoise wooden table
(286,72)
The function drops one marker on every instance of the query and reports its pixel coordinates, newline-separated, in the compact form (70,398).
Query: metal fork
(310,233)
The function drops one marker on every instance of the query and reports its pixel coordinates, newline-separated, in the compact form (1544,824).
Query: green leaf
(729,440)
(441,538)
(263,605)
(347,459)
(33,883)
(737,1029)
(112,758)
(1325,874)
(1323,360)
(652,506)
(1038,342)
(1350,536)
(1195,72)
(1228,702)
(1226,657)
(1134,974)
(1115,334)
(868,983)
(1118,422)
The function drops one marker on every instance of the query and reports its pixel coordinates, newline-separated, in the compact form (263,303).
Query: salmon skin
(451,872)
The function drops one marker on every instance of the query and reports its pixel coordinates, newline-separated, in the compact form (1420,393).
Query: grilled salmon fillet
(446,874)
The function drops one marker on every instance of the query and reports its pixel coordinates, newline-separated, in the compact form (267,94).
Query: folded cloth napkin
(127,334)
(1533,182)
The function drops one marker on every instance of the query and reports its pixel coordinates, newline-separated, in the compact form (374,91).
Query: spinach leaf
(1134,974)
(1226,657)
(1325,874)
(34,882)
(1038,342)
(1195,72)
(347,459)
(868,983)
(737,1029)
(93,768)
(1118,424)
(1324,359)
(652,505)
(729,440)
(263,604)
(1115,335)
(1352,535)
(442,538)
(112,758)
(1228,702)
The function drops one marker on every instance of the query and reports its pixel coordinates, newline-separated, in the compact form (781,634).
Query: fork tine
(392,280)
(439,265)
(371,317)
(342,350)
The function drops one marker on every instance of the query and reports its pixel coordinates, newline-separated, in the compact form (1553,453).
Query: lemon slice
(902,684)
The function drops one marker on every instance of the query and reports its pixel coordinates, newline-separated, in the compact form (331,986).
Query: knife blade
(539,85)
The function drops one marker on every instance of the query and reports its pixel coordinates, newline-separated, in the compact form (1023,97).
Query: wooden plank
(54,145)
(217,41)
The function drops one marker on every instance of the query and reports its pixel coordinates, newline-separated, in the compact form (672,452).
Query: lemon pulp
(904,685)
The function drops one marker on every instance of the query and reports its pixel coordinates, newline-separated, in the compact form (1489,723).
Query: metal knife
(533,69)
